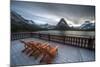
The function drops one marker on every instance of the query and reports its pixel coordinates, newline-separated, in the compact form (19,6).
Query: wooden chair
(37,49)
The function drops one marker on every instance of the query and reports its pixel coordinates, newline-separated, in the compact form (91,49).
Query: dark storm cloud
(52,13)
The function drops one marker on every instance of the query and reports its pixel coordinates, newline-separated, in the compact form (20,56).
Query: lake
(72,33)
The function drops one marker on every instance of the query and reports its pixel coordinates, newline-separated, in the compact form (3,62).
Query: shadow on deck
(66,53)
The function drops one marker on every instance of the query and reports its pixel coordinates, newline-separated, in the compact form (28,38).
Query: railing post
(31,34)
(64,40)
(39,35)
(49,37)
(90,44)
(93,43)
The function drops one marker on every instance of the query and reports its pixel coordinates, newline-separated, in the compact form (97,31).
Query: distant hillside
(87,26)
(19,24)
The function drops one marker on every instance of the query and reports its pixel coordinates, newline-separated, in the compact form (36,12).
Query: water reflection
(72,33)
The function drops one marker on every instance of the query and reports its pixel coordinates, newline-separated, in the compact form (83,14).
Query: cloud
(52,13)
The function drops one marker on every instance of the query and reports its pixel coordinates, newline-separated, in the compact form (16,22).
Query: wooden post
(90,44)
(64,40)
(39,35)
(49,37)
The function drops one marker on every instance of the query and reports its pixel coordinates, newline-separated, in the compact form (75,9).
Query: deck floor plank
(66,53)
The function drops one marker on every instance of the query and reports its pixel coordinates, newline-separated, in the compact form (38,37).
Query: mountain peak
(62,24)
(87,22)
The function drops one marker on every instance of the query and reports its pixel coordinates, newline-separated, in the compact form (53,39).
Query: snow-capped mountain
(87,25)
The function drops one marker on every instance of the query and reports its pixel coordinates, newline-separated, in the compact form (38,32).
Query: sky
(42,13)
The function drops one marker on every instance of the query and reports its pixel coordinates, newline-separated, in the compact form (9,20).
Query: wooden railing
(79,41)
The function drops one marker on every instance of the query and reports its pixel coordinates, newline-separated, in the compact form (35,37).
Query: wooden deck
(66,53)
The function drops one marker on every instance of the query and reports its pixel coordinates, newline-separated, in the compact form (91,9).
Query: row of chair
(43,50)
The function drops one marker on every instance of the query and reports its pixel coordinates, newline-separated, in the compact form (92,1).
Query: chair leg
(28,51)
(49,60)
(24,50)
(36,54)
(46,59)
(42,59)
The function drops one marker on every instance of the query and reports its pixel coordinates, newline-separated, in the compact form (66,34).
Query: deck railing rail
(79,41)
